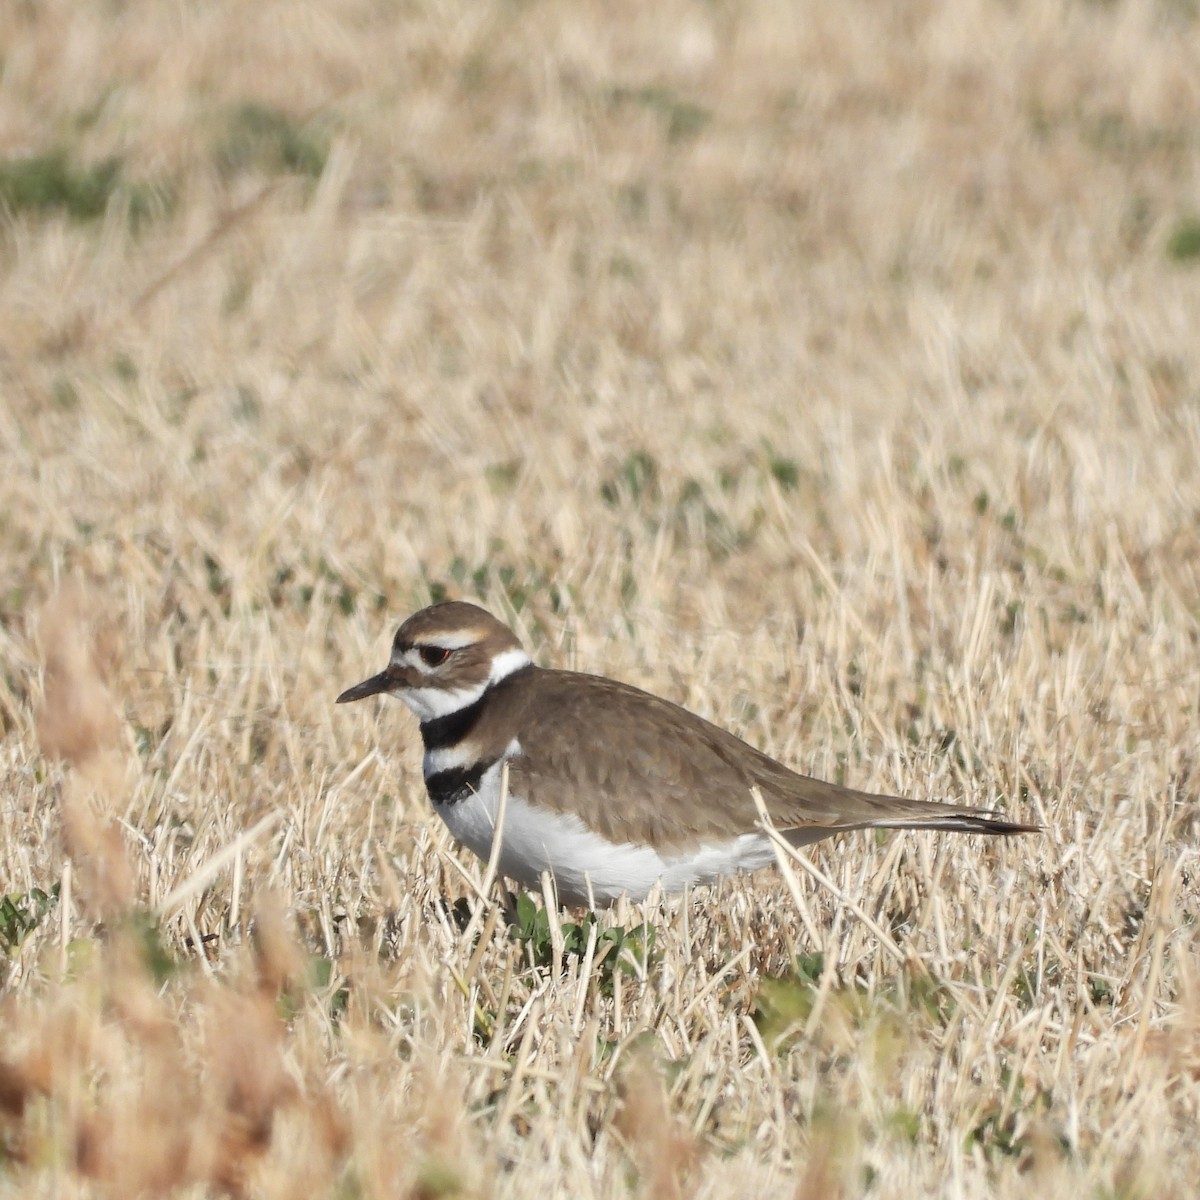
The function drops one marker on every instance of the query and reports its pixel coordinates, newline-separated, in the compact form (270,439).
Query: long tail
(979,821)
(868,811)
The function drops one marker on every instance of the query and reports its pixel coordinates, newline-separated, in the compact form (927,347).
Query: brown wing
(659,774)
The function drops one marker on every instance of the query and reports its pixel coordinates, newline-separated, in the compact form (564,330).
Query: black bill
(374,686)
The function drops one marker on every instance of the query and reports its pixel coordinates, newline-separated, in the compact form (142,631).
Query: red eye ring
(433,656)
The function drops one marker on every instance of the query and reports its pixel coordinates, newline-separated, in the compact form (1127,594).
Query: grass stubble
(831,370)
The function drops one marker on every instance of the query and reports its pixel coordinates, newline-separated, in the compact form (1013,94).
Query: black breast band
(456,783)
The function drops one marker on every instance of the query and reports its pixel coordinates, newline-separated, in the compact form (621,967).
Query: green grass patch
(56,183)
(681,119)
(21,913)
(491,581)
(629,951)
(258,137)
(1183,246)
(635,479)
(784,1003)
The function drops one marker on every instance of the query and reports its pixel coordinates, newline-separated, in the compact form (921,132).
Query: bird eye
(433,656)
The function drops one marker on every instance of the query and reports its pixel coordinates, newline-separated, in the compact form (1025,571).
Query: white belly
(587,867)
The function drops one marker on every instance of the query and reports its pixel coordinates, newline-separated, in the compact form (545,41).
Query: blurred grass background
(832,370)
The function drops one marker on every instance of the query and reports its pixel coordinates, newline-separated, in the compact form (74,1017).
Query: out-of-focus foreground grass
(831,369)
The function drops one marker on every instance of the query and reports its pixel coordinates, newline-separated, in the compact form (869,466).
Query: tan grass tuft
(831,369)
(246,1086)
(78,722)
(278,959)
(77,719)
(664,1152)
(820,1178)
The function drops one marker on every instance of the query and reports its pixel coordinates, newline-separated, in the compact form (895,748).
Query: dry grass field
(833,369)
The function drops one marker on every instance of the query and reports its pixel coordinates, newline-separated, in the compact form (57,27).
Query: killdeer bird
(611,789)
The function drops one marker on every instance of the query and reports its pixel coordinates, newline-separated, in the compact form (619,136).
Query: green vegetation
(266,139)
(56,182)
(21,913)
(1184,243)
(830,370)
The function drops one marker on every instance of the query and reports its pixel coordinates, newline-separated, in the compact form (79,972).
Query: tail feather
(892,812)
(977,822)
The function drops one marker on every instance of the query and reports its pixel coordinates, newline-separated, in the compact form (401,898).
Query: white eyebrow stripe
(453,641)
